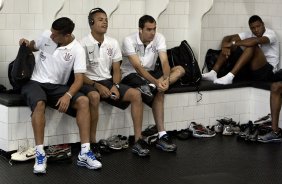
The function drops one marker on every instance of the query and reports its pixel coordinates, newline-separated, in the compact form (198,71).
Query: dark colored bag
(184,56)
(20,70)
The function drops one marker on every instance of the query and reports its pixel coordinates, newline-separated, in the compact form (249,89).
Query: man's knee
(40,106)
(180,71)
(133,95)
(94,98)
(276,87)
(82,102)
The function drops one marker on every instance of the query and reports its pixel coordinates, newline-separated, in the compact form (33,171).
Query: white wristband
(69,95)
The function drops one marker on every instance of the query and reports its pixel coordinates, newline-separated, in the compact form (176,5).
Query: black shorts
(134,80)
(109,84)
(265,73)
(34,91)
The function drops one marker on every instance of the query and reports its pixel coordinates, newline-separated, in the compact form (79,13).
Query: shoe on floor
(264,119)
(199,130)
(270,137)
(141,148)
(40,163)
(24,154)
(209,76)
(165,143)
(88,160)
(61,152)
(95,147)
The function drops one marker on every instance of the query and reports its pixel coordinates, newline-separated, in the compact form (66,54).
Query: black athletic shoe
(95,147)
(165,143)
(141,148)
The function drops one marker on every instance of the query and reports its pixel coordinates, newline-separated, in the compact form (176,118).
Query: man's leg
(212,75)
(163,142)
(38,125)
(86,157)
(94,99)
(252,55)
(38,122)
(134,97)
(275,107)
(275,104)
(176,73)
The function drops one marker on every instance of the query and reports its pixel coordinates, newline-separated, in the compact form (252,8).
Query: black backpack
(184,56)
(20,70)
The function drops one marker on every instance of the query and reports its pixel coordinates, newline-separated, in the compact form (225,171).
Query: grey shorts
(34,91)
(134,80)
(109,84)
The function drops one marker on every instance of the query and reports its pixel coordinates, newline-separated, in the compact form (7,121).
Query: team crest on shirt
(67,56)
(154,49)
(110,51)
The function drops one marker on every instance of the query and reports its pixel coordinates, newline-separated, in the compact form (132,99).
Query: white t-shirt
(148,56)
(99,60)
(54,65)
(270,50)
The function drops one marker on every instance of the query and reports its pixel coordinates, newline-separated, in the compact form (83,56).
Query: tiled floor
(221,159)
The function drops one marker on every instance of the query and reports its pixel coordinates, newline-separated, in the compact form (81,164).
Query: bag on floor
(20,70)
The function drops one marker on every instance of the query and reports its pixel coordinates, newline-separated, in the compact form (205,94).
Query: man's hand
(23,40)
(63,103)
(163,85)
(115,91)
(226,51)
(103,91)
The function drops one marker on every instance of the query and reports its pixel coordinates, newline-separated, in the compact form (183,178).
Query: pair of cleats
(163,143)
(212,76)
(87,160)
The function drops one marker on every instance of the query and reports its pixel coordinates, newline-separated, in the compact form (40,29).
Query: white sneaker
(227,79)
(40,163)
(24,154)
(88,160)
(210,76)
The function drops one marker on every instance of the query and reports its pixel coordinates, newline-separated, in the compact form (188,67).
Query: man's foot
(141,148)
(210,76)
(270,137)
(227,79)
(40,163)
(88,160)
(165,143)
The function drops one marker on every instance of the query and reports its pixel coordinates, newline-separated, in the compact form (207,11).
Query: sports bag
(20,70)
(184,56)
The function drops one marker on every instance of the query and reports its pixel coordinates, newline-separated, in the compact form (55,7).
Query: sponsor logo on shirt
(90,52)
(42,57)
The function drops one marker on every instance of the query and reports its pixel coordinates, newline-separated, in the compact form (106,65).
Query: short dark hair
(93,12)
(144,19)
(254,18)
(64,25)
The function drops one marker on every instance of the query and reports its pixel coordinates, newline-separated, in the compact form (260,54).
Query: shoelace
(40,158)
(91,155)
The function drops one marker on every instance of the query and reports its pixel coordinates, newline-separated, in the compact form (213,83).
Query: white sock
(162,133)
(210,76)
(85,147)
(40,149)
(227,79)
